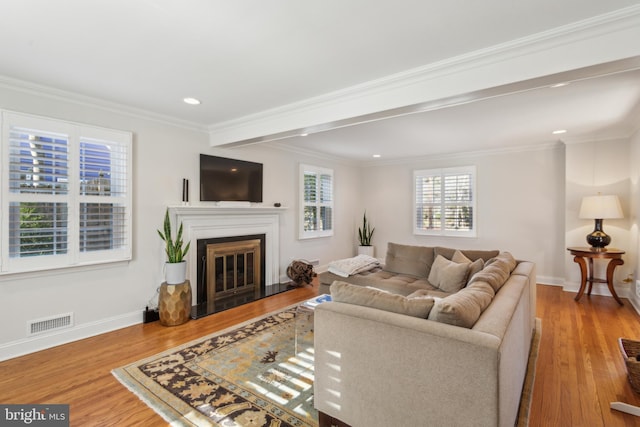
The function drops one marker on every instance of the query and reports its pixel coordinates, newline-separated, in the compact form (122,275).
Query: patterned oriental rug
(246,376)
(249,375)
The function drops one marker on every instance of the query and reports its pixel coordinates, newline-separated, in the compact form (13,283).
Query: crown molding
(60,95)
(597,138)
(314,154)
(361,103)
(551,145)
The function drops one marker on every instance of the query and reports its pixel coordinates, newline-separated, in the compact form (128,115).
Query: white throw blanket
(355,265)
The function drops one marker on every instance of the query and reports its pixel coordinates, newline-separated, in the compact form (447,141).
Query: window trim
(302,234)
(74,257)
(442,172)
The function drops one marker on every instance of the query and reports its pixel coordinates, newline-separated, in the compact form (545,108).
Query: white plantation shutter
(38,166)
(67,191)
(316,202)
(103,190)
(444,202)
(37,229)
(38,161)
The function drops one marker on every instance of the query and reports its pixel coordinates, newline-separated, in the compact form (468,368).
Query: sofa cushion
(496,271)
(401,284)
(375,298)
(464,307)
(472,254)
(474,266)
(422,293)
(407,259)
(448,275)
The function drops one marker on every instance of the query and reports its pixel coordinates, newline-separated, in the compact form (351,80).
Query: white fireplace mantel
(206,222)
(191,210)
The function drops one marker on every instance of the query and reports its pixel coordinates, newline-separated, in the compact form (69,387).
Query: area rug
(254,374)
(249,375)
(527,388)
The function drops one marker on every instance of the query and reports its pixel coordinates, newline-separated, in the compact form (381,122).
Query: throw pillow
(375,298)
(460,258)
(465,307)
(448,275)
(474,266)
(497,271)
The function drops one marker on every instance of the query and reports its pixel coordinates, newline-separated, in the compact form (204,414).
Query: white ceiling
(605,107)
(243,57)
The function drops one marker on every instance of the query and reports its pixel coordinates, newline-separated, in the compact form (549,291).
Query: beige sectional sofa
(377,363)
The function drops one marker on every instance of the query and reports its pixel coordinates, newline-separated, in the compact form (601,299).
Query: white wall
(107,297)
(111,297)
(521,208)
(520,205)
(634,210)
(593,167)
(281,175)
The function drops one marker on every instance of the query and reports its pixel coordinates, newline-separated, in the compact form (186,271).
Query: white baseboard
(32,344)
(622,289)
(550,280)
(634,304)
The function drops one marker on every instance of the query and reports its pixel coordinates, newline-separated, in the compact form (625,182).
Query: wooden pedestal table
(174,303)
(615,259)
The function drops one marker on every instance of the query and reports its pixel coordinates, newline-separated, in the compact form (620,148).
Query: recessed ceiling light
(376,156)
(559,131)
(558,85)
(192,101)
(304,134)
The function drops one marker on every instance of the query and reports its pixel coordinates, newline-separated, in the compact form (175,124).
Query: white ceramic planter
(175,272)
(365,250)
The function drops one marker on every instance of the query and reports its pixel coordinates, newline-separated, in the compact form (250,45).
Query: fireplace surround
(229,223)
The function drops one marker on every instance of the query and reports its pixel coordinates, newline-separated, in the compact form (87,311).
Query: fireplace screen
(233,268)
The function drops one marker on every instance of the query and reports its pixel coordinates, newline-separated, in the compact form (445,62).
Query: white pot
(175,272)
(365,250)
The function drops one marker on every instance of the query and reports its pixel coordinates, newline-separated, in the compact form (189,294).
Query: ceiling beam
(586,49)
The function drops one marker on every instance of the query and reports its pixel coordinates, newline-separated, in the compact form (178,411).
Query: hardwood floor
(79,373)
(579,371)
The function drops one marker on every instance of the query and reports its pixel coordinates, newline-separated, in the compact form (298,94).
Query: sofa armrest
(374,367)
(528,269)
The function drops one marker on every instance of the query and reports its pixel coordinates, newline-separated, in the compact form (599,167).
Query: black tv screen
(232,180)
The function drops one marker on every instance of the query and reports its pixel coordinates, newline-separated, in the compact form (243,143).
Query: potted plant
(176,266)
(365,233)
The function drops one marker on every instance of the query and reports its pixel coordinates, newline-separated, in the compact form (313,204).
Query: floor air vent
(39,326)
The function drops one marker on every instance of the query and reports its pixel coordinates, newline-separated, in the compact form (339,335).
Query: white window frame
(73,257)
(310,234)
(442,173)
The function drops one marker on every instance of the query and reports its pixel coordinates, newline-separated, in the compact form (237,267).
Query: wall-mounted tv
(230,180)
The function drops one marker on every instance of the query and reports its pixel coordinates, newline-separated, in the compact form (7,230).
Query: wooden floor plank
(579,370)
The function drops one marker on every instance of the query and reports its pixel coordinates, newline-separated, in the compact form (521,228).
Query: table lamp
(598,208)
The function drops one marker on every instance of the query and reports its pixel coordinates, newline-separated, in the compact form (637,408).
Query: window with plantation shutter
(66,189)
(316,210)
(103,189)
(445,202)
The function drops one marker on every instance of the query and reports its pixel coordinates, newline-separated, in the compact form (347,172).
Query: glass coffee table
(304,322)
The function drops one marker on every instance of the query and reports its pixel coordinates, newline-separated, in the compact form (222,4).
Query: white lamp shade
(601,207)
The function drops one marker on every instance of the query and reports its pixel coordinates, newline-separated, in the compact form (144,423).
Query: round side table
(615,259)
(174,303)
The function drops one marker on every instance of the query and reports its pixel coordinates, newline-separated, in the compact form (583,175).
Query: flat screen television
(229,180)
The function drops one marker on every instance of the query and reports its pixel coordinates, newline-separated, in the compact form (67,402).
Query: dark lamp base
(598,239)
